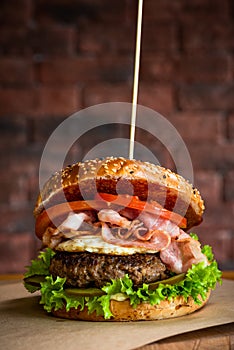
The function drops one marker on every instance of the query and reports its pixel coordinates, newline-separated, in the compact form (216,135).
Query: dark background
(60,56)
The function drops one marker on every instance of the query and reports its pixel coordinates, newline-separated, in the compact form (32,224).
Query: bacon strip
(113,217)
(153,222)
(74,225)
(150,231)
(159,240)
(182,253)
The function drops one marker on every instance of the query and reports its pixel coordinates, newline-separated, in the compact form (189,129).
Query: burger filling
(108,227)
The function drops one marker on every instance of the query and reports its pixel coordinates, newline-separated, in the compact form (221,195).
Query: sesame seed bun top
(119,175)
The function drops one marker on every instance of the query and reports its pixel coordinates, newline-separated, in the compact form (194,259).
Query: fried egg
(95,244)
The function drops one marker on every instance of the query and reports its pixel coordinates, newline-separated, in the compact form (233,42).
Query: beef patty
(95,270)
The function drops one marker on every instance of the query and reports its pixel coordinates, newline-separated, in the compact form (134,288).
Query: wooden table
(217,338)
(213,338)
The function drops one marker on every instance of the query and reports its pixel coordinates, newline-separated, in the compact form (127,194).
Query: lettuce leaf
(206,249)
(194,236)
(39,267)
(54,297)
(198,281)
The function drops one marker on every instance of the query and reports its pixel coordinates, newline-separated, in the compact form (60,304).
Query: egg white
(95,244)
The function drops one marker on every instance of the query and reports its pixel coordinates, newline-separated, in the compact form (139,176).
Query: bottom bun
(123,311)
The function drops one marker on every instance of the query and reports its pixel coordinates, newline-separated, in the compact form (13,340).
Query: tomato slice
(128,201)
(57,213)
(135,203)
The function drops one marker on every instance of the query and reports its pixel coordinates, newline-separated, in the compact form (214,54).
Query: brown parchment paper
(25,325)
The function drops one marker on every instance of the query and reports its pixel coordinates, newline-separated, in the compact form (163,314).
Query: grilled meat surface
(85,269)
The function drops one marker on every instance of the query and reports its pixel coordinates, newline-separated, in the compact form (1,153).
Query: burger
(116,243)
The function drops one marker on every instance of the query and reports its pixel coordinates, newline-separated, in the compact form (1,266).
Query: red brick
(220,216)
(206,97)
(24,189)
(222,243)
(99,38)
(162,10)
(230,126)
(115,69)
(69,54)
(19,192)
(210,156)
(21,187)
(52,40)
(13,132)
(70,11)
(16,219)
(229,186)
(44,129)
(96,138)
(207,35)
(82,70)
(157,68)
(75,153)
(68,70)
(162,38)
(159,97)
(204,68)
(16,252)
(56,11)
(14,41)
(102,93)
(17,101)
(198,126)
(218,235)
(232,64)
(15,12)
(201,9)
(113,12)
(160,153)
(23,165)
(16,71)
(210,185)
(5,188)
(15,194)
(24,161)
(57,101)
(33,186)
(216,218)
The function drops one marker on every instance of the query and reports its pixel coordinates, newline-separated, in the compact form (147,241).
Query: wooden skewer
(136,79)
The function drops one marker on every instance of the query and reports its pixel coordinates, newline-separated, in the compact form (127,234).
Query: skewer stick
(136,79)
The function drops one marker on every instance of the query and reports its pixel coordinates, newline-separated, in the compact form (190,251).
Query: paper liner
(25,325)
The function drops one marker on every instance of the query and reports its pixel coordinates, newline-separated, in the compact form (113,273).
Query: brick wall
(60,56)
